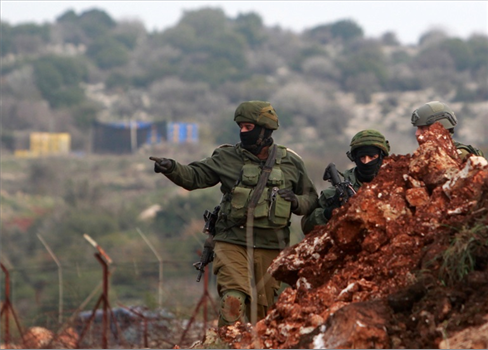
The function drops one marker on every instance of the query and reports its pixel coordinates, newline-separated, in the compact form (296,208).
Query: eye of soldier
(245,127)
(368,158)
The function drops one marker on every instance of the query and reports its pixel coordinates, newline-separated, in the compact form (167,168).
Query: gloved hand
(288,195)
(161,165)
(331,204)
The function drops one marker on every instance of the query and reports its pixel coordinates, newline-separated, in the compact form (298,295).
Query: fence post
(160,283)
(60,278)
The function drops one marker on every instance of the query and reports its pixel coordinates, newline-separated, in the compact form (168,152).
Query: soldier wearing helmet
(436,111)
(285,189)
(367,150)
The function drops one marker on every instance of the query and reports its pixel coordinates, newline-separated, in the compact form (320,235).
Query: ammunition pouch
(271,210)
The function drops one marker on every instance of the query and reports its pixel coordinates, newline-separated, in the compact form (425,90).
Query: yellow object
(45,143)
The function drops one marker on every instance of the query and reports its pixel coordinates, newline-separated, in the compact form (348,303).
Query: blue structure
(127,137)
(182,132)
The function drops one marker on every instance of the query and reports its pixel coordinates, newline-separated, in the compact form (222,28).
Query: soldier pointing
(257,178)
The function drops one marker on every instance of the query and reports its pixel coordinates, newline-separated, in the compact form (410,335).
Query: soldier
(368,148)
(239,168)
(436,111)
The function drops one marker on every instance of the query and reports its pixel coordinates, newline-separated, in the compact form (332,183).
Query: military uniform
(327,203)
(238,168)
(465,150)
(224,167)
(435,111)
(363,143)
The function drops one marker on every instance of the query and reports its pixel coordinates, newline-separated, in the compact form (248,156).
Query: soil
(404,264)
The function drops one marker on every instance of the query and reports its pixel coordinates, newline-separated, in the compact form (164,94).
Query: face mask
(367,172)
(256,139)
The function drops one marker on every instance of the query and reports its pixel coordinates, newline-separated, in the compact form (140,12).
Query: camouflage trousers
(232,270)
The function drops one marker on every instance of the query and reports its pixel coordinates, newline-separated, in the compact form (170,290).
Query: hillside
(326,84)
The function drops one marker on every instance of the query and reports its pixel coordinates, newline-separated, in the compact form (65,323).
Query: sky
(407,19)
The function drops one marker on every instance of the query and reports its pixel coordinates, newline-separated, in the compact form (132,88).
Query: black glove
(161,165)
(289,196)
(332,203)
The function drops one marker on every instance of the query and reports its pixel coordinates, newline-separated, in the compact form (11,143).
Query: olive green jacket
(465,150)
(224,167)
(317,217)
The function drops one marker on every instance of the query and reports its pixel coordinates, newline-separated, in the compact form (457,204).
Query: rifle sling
(263,179)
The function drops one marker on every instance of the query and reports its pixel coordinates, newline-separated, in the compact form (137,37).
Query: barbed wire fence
(149,306)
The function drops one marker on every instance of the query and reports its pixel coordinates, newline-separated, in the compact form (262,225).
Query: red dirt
(373,277)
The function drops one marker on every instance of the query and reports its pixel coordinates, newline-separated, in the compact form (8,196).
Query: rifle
(208,247)
(344,189)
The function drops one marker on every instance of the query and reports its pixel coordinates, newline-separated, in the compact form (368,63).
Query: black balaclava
(367,172)
(256,139)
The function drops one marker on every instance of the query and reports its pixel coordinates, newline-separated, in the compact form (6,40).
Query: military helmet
(368,137)
(432,112)
(257,112)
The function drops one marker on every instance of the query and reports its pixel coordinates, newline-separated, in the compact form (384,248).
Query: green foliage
(117,80)
(67,17)
(108,52)
(365,57)
(321,34)
(82,193)
(343,30)
(307,52)
(24,38)
(211,50)
(128,39)
(43,177)
(6,45)
(179,211)
(96,23)
(467,252)
(85,114)
(459,51)
(96,223)
(58,79)
(478,45)
(7,139)
(346,30)
(30,29)
(251,27)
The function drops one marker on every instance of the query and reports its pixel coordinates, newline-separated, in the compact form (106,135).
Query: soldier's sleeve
(316,217)
(305,190)
(198,174)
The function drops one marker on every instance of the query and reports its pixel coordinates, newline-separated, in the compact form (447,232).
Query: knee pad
(232,307)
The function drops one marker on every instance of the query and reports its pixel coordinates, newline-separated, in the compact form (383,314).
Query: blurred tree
(364,59)
(58,79)
(459,51)
(432,37)
(85,114)
(108,52)
(211,50)
(478,45)
(346,30)
(6,45)
(23,39)
(389,39)
(251,27)
(96,23)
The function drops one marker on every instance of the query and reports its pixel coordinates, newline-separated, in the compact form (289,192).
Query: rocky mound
(404,264)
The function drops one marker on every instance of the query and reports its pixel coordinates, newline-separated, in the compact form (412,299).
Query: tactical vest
(468,148)
(271,211)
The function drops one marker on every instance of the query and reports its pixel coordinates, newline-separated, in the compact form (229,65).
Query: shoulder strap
(263,178)
(468,148)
